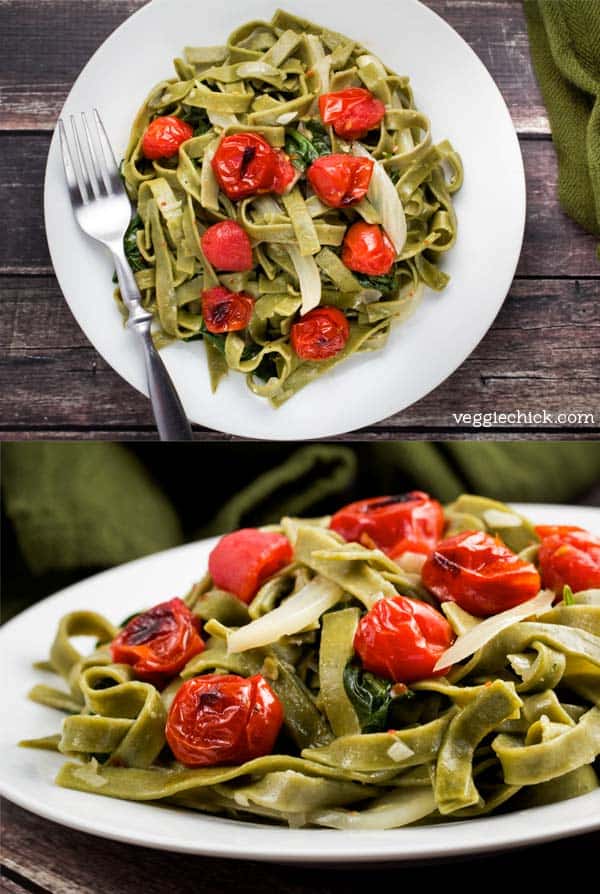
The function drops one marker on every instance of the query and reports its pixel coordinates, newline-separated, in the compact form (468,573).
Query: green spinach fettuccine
(267,80)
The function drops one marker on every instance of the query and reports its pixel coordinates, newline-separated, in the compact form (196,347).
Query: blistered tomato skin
(368,250)
(223,719)
(246,165)
(225,311)
(352,112)
(226,245)
(412,522)
(480,574)
(568,556)
(402,639)
(340,180)
(320,334)
(164,136)
(243,560)
(158,643)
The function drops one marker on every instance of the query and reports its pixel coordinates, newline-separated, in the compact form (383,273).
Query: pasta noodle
(267,80)
(515,724)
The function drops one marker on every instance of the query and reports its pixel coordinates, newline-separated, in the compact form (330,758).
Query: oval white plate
(451,86)
(26,775)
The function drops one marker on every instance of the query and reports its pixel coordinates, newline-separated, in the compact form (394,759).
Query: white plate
(451,86)
(26,775)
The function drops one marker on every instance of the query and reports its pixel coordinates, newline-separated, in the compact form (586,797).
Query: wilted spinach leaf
(371,697)
(386,284)
(132,252)
(303,150)
(217,340)
(320,137)
(196,118)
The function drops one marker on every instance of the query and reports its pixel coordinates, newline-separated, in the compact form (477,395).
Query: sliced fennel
(309,277)
(478,636)
(385,200)
(293,615)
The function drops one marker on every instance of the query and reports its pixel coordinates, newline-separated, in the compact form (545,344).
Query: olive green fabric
(84,505)
(526,471)
(565,48)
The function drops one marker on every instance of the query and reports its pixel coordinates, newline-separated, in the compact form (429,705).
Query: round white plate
(451,86)
(26,775)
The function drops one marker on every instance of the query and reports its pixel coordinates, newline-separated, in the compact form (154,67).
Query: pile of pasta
(514,724)
(266,80)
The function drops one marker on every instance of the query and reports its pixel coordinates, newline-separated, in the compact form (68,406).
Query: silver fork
(103,211)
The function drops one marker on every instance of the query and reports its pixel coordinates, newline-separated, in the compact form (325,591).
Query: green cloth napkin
(564,36)
(84,505)
(525,471)
(95,505)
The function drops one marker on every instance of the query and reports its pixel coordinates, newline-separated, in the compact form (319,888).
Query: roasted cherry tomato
(285,173)
(412,522)
(548,530)
(246,165)
(320,334)
(223,719)
(225,311)
(164,136)
(368,250)
(568,556)
(352,112)
(243,560)
(402,639)
(159,642)
(479,573)
(226,245)
(340,180)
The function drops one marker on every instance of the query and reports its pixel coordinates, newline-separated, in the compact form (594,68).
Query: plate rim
(366,847)
(277,432)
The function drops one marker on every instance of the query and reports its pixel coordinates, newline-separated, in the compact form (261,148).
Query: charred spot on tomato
(388,501)
(149,625)
(445,563)
(220,312)
(209,700)
(247,156)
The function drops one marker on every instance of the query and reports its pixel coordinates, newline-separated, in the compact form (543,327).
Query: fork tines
(90,165)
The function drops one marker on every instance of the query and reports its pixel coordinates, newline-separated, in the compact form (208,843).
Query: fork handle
(169,414)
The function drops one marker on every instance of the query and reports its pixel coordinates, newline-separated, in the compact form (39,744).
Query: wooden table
(541,353)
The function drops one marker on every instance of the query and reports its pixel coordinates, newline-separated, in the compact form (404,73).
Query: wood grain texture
(553,245)
(32,95)
(69,862)
(10,885)
(547,328)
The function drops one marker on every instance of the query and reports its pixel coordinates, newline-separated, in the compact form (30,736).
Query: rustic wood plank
(53,379)
(554,245)
(32,94)
(10,885)
(51,858)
